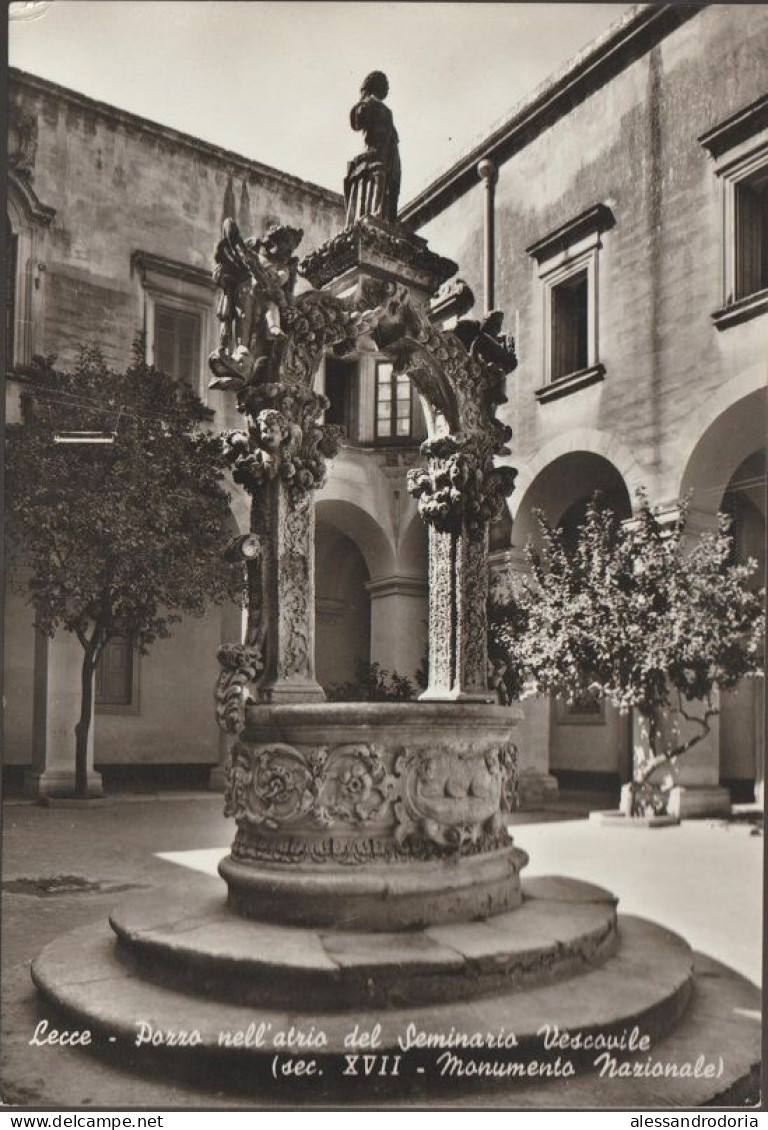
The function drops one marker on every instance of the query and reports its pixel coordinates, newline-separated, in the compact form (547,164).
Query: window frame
(351,406)
(28,218)
(393,439)
(556,316)
(571,250)
(739,149)
(178,286)
(159,305)
(132,707)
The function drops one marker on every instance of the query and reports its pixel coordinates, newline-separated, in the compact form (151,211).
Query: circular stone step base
(646,985)
(387,896)
(563,927)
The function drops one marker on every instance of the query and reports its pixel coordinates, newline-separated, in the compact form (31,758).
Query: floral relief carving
(357,786)
(276,784)
(284,785)
(436,802)
(510,777)
(473,602)
(283,440)
(351,851)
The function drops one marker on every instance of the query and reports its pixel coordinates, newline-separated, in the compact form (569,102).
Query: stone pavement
(66,866)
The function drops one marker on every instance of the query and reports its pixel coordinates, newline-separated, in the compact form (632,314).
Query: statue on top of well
(372,183)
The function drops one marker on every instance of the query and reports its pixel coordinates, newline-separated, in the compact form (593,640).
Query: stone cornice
(599,218)
(170,268)
(396,585)
(637,32)
(745,123)
(21,78)
(373,243)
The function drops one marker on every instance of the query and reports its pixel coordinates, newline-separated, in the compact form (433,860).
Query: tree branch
(670,756)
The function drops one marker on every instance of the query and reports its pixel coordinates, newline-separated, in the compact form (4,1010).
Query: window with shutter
(176,341)
(752,235)
(739,149)
(114,673)
(569,326)
(341,388)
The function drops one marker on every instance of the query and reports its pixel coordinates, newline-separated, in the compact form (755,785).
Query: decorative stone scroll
(240,666)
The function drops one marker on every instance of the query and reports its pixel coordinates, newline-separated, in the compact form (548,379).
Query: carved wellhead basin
(373,816)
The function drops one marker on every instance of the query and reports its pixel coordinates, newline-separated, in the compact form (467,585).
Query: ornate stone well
(372,881)
(382,815)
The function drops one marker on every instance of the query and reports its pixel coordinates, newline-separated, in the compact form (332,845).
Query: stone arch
(735,428)
(342,601)
(725,470)
(584,440)
(562,487)
(363,530)
(412,559)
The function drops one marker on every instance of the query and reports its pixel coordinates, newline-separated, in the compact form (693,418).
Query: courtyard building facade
(619,218)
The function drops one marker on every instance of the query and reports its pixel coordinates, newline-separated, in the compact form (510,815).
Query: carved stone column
(457,493)
(457,620)
(286,527)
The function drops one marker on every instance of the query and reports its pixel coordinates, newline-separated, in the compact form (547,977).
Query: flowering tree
(121,536)
(630,613)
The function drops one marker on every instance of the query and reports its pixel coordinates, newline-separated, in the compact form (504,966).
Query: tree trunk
(82,729)
(647,797)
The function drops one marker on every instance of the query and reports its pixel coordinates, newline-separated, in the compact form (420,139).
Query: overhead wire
(69,399)
(74,400)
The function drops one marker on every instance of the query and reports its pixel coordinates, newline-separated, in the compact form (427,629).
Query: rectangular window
(569,326)
(341,380)
(114,673)
(568,261)
(177,338)
(394,404)
(752,234)
(739,148)
(11,262)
